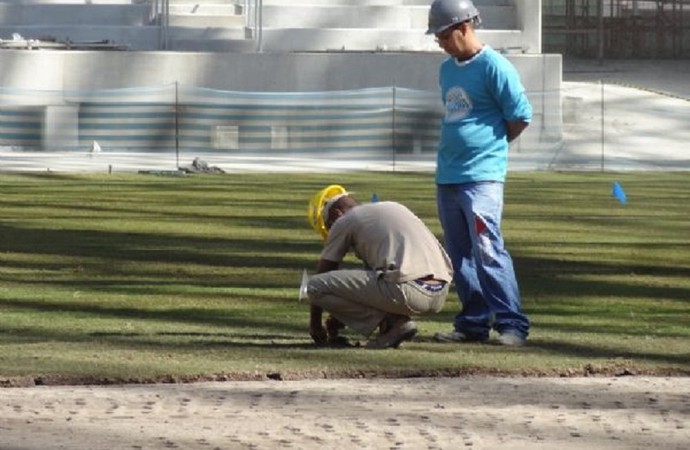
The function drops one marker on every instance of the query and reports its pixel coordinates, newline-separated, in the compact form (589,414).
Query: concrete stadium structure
(287,46)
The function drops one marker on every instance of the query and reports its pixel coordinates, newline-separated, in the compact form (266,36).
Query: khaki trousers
(361,298)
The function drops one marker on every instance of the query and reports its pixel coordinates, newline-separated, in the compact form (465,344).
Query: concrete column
(60,127)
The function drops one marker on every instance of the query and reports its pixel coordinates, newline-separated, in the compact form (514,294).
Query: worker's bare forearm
(515,129)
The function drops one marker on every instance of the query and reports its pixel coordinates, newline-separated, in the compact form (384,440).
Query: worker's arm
(515,129)
(316,329)
(326,266)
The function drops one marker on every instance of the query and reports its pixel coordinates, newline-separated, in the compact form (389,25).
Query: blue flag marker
(619,193)
(374,198)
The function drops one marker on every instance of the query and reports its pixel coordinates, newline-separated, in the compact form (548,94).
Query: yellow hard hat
(316,206)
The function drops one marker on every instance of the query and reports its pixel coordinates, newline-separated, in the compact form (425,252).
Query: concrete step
(206,20)
(341,16)
(75,2)
(481,4)
(213,15)
(221,9)
(425,3)
(392,40)
(289,25)
(134,38)
(53,14)
(207,33)
(149,3)
(213,45)
(131,37)
(202,3)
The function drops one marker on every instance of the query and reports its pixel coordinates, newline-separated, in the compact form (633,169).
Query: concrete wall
(40,78)
(282,69)
(50,70)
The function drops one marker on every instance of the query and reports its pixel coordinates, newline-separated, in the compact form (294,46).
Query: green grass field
(144,278)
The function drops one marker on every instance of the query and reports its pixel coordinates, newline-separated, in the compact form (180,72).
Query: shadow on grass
(681,360)
(155,248)
(159,262)
(191,316)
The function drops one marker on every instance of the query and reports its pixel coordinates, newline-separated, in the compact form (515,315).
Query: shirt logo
(458,104)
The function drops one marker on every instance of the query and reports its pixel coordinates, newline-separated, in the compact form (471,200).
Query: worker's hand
(333,327)
(319,335)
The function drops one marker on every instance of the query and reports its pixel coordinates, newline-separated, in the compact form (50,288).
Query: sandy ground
(420,413)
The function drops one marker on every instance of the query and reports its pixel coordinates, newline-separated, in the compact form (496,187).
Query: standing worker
(406,273)
(485,109)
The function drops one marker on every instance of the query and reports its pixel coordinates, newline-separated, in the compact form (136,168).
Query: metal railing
(251,10)
(595,129)
(160,15)
(253,17)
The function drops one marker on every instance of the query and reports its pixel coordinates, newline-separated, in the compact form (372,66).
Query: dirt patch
(589,370)
(472,412)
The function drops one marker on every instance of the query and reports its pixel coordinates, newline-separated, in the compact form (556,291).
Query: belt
(430,285)
(430,280)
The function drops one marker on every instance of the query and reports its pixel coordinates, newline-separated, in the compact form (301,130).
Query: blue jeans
(470,215)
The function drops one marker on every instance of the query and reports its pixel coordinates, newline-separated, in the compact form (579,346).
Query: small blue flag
(619,193)
(374,198)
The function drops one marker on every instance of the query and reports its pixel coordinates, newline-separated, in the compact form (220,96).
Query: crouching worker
(406,272)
